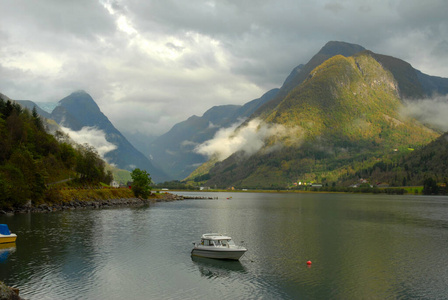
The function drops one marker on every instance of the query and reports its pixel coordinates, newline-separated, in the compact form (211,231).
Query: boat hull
(8,238)
(231,254)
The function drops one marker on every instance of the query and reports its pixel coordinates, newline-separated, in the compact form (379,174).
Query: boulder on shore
(7,293)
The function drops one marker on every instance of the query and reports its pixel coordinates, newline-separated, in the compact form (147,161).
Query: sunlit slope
(351,100)
(346,115)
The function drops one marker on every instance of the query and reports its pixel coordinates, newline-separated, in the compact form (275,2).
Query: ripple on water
(368,247)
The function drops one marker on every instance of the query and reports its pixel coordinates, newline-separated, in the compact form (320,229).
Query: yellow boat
(5,235)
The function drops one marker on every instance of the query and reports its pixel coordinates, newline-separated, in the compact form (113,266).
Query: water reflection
(361,247)
(6,250)
(213,268)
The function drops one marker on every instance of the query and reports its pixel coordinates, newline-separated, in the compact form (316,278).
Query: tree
(430,187)
(89,164)
(141,185)
(37,120)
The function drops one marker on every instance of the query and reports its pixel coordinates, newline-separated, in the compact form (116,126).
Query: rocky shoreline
(8,293)
(95,204)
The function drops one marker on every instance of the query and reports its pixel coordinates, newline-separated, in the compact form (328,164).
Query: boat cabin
(217,240)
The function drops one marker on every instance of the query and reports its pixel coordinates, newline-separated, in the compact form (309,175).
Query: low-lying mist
(249,139)
(432,111)
(92,136)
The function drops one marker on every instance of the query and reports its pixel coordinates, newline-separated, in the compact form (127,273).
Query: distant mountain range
(174,150)
(79,110)
(333,117)
(341,111)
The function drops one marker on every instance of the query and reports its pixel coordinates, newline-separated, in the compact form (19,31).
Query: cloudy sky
(151,64)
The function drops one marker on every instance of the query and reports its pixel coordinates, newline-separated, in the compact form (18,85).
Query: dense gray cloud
(151,64)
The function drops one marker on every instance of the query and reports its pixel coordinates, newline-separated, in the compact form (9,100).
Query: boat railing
(238,247)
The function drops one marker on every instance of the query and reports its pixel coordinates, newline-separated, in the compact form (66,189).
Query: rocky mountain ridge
(347,112)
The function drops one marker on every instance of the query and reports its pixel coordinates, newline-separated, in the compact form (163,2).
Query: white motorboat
(216,245)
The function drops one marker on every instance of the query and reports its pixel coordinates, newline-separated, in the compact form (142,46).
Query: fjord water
(361,246)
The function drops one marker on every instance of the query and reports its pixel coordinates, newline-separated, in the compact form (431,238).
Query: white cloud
(188,144)
(249,138)
(432,111)
(152,64)
(92,136)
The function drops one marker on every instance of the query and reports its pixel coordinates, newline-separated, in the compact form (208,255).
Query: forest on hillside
(31,159)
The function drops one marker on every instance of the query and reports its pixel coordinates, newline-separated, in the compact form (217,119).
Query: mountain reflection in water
(361,246)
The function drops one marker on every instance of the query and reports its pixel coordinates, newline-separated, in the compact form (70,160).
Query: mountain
(79,110)
(338,114)
(30,105)
(174,150)
(429,161)
(301,72)
(32,159)
(412,83)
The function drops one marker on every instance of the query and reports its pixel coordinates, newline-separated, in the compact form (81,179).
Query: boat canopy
(4,229)
(215,236)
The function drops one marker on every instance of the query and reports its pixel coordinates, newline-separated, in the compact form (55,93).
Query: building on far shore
(114,184)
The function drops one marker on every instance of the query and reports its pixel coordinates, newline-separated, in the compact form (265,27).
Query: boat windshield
(224,243)
(206,242)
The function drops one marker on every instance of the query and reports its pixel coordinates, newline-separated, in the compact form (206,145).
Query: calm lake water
(361,247)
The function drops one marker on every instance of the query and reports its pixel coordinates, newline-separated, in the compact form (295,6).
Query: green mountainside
(350,100)
(175,151)
(344,117)
(413,168)
(32,159)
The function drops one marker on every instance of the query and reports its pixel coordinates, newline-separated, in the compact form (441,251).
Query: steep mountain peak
(346,111)
(340,92)
(301,72)
(81,107)
(342,48)
(80,92)
(79,110)
(80,99)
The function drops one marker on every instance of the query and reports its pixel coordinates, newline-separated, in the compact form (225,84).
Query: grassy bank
(69,194)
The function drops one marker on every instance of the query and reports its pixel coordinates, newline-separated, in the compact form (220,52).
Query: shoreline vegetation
(70,198)
(77,198)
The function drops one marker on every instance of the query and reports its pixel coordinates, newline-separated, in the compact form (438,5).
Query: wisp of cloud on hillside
(433,111)
(92,136)
(249,139)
